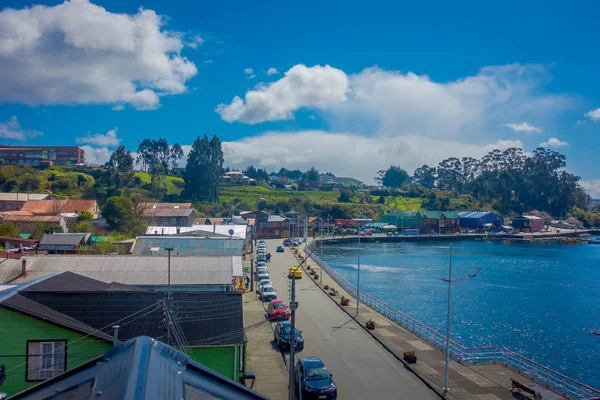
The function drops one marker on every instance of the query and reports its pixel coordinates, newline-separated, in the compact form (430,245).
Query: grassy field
(174,184)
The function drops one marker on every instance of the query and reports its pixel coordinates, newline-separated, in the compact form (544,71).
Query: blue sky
(359,86)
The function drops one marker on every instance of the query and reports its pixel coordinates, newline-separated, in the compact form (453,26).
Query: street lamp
(450,280)
(169,249)
(358,270)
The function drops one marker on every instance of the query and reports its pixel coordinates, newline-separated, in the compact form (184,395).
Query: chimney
(23,265)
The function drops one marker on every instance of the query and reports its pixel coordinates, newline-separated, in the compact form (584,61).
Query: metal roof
(59,206)
(50,240)
(188,246)
(139,369)
(168,212)
(238,230)
(131,270)
(32,218)
(474,214)
(276,218)
(166,205)
(24,196)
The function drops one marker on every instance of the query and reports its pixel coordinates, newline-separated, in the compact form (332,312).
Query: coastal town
(299,200)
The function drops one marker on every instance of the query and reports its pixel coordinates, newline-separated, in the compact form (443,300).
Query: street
(361,367)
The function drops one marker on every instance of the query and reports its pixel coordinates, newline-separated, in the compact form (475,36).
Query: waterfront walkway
(474,382)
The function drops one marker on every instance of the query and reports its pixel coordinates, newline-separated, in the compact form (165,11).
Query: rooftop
(58,206)
(474,214)
(239,230)
(31,218)
(49,241)
(23,196)
(166,205)
(167,212)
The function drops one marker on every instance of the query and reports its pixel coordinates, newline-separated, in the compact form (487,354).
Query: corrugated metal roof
(63,239)
(131,270)
(276,218)
(59,206)
(188,246)
(33,218)
(141,368)
(23,196)
(168,212)
(166,205)
(474,214)
(238,230)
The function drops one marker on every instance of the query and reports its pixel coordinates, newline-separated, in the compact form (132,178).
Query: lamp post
(169,249)
(450,280)
(358,271)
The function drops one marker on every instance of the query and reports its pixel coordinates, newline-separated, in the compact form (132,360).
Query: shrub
(344,301)
(326,287)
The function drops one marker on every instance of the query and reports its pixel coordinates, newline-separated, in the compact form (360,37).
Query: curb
(406,366)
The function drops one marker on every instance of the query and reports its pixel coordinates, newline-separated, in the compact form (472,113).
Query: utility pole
(169,249)
(293,307)
(321,251)
(358,275)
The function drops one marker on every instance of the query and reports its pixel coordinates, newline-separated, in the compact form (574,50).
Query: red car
(277,310)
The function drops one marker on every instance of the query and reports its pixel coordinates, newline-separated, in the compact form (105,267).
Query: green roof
(436,214)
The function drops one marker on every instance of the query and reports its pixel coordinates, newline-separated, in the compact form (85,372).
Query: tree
(251,172)
(84,215)
(82,227)
(312,175)
(345,196)
(118,212)
(381,200)
(203,169)
(425,176)
(176,155)
(8,229)
(262,175)
(393,177)
(120,168)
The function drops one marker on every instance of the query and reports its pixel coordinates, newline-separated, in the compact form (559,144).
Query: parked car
(277,310)
(282,335)
(366,232)
(313,380)
(263,282)
(261,264)
(262,274)
(267,293)
(287,242)
(296,272)
(261,257)
(279,249)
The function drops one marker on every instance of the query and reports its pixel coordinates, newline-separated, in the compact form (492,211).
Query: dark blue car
(282,336)
(314,380)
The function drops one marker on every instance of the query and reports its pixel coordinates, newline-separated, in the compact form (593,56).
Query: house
(239,231)
(57,322)
(528,224)
(193,243)
(145,206)
(167,216)
(57,207)
(477,219)
(345,223)
(343,182)
(129,370)
(9,243)
(440,222)
(64,243)
(42,155)
(14,201)
(305,184)
(192,274)
(270,226)
(237,177)
(403,219)
(28,223)
(575,222)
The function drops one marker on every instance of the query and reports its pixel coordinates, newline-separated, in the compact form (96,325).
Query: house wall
(16,329)
(222,359)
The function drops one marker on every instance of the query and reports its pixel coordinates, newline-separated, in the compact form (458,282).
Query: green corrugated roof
(436,214)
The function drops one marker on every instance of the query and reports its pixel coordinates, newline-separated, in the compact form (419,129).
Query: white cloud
(248,71)
(208,62)
(118,107)
(395,103)
(272,71)
(523,127)
(592,188)
(80,53)
(300,87)
(348,154)
(594,114)
(554,142)
(251,76)
(11,129)
(96,155)
(195,42)
(109,139)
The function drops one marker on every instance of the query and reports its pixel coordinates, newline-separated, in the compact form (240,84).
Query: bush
(344,301)
(326,287)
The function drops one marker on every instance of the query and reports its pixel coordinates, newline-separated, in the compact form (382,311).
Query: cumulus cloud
(272,71)
(109,139)
(301,86)
(195,41)
(554,142)
(96,155)
(592,188)
(11,129)
(348,154)
(523,127)
(393,102)
(248,71)
(80,53)
(594,115)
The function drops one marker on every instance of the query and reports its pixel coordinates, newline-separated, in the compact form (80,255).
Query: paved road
(361,368)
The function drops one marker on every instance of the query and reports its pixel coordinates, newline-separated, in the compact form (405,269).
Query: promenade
(485,381)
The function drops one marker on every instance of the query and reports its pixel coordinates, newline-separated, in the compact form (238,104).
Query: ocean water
(535,299)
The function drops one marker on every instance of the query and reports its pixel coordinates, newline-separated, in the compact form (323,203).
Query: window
(173,221)
(164,221)
(45,359)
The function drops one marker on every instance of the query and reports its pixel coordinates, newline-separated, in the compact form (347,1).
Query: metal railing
(465,355)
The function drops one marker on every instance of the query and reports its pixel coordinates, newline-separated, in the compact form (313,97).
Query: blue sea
(535,299)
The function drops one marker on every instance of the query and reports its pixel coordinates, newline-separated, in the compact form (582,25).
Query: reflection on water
(534,299)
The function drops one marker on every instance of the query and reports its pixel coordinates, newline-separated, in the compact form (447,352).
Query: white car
(263,274)
(261,283)
(267,293)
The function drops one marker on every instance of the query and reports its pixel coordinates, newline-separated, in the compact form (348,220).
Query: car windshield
(315,374)
(265,282)
(269,289)
(279,305)
(287,329)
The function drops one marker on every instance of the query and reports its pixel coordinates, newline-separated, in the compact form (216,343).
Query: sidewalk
(477,382)
(263,359)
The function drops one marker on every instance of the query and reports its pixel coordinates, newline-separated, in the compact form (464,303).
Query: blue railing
(465,355)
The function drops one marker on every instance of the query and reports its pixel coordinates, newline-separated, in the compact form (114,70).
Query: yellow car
(296,272)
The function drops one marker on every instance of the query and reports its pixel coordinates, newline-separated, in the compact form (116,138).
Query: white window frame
(43,359)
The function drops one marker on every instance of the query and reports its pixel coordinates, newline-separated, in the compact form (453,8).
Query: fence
(464,355)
